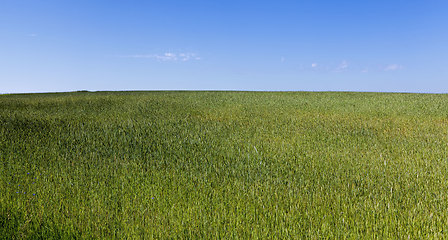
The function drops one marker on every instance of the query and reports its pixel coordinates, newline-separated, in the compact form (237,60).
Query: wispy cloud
(393,67)
(168,57)
(342,66)
(32,35)
(347,66)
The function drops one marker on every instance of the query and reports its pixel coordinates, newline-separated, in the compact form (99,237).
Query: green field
(220,165)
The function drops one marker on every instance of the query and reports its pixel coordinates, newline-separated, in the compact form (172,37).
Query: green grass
(220,165)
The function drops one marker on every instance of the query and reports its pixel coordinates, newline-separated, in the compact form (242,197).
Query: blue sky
(54,45)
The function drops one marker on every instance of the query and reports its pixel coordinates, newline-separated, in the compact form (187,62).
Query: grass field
(219,165)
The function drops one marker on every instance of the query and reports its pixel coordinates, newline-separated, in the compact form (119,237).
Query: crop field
(223,165)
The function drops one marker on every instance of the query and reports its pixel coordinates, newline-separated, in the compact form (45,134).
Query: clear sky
(69,45)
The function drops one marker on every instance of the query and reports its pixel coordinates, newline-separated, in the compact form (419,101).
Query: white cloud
(342,66)
(313,65)
(32,35)
(168,56)
(188,56)
(393,67)
(282,59)
(365,70)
